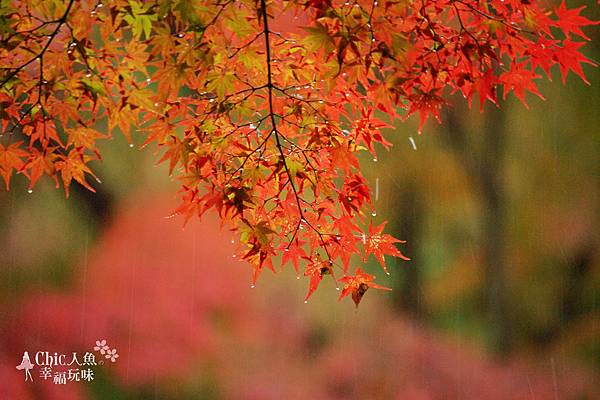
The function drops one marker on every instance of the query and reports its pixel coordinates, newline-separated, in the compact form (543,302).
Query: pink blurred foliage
(14,387)
(171,302)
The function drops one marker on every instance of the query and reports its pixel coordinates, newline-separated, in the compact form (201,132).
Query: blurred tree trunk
(578,267)
(408,277)
(494,229)
(485,166)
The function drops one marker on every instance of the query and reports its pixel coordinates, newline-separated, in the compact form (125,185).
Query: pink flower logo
(112,354)
(101,346)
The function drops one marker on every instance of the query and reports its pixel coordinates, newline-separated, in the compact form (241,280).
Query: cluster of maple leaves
(260,107)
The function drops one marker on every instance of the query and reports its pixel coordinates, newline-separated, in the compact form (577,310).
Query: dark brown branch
(275,132)
(40,55)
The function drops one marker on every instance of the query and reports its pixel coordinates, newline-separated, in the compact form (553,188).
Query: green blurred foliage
(550,203)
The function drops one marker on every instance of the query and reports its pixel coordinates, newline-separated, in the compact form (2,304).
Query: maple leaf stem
(491,17)
(275,132)
(462,25)
(261,145)
(214,19)
(270,88)
(238,49)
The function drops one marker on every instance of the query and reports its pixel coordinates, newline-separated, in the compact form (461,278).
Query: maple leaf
(570,59)
(293,252)
(344,243)
(11,158)
(518,79)
(354,193)
(426,103)
(358,285)
(486,88)
(570,21)
(368,131)
(381,244)
(39,163)
(73,166)
(85,138)
(343,158)
(140,19)
(259,257)
(43,131)
(316,270)
(177,152)
(542,54)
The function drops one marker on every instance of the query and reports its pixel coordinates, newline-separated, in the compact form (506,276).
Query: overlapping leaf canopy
(260,107)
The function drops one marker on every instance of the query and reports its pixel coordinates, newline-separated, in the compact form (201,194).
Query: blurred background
(501,300)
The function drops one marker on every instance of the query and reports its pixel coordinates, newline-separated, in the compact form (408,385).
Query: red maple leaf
(487,88)
(358,285)
(570,59)
(542,54)
(11,158)
(315,270)
(381,244)
(293,252)
(426,103)
(518,79)
(569,20)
